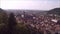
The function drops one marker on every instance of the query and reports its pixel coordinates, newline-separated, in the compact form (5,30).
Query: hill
(54,11)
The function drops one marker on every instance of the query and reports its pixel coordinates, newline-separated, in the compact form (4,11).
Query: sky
(30,4)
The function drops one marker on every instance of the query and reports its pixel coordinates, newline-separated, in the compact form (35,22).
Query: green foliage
(54,11)
(21,29)
(3,16)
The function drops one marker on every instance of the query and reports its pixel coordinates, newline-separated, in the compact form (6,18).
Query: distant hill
(1,10)
(54,11)
(36,12)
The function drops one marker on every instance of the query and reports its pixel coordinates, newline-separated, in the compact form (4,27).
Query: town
(31,23)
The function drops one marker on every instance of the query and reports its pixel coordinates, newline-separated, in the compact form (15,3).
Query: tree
(1,13)
(3,16)
(11,23)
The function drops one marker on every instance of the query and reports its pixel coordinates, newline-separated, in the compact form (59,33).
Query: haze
(30,4)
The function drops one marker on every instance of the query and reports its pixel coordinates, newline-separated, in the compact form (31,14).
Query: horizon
(29,9)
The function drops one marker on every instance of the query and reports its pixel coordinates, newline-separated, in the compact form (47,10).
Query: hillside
(54,11)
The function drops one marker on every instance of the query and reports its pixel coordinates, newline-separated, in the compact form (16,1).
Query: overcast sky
(30,4)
